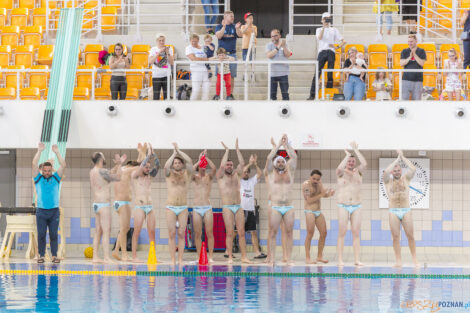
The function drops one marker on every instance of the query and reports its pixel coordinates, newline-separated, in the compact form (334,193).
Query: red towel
(203,162)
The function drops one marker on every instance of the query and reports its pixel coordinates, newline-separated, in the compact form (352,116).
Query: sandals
(261,256)
(55,260)
(40,260)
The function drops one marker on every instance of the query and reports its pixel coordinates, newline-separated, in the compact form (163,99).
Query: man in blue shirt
(47,186)
(227,33)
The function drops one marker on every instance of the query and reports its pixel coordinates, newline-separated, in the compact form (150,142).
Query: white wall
(429,125)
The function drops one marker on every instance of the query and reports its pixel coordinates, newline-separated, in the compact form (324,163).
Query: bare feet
(125,257)
(289,263)
(108,260)
(115,255)
(245,260)
(321,260)
(136,260)
(417,264)
(397,264)
(308,261)
(97,261)
(358,263)
(340,263)
(230,261)
(211,260)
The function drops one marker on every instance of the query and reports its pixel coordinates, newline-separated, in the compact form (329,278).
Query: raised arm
(241,161)
(259,172)
(139,171)
(115,173)
(342,165)
(186,158)
(389,169)
(62,163)
(169,162)
(37,156)
(220,171)
(156,168)
(361,158)
(142,149)
(292,163)
(269,160)
(410,173)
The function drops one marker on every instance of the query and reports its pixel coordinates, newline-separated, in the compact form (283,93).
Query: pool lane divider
(230,274)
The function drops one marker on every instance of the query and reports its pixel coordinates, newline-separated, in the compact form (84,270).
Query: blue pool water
(96,293)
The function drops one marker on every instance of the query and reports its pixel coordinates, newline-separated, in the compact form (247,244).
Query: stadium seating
(378,55)
(45,54)
(108,18)
(91,54)
(32,36)
(10,36)
(85,77)
(24,55)
(140,55)
(39,17)
(27,4)
(30,93)
(5,56)
(39,79)
(3,16)
(81,93)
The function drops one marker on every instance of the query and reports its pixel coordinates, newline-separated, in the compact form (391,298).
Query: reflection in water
(47,291)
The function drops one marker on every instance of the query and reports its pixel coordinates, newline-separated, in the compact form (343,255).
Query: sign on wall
(419,186)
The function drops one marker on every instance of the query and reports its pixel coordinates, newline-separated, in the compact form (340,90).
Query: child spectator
(222,56)
(453,84)
(209,49)
(382,85)
(247,30)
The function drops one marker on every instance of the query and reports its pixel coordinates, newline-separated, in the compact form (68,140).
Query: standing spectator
(161,58)
(453,84)
(227,33)
(210,18)
(47,186)
(117,63)
(382,85)
(247,30)
(247,194)
(409,11)
(387,7)
(412,58)
(222,56)
(355,79)
(199,72)
(466,35)
(277,50)
(327,37)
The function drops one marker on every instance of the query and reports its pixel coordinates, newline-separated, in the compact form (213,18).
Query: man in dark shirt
(412,58)
(227,33)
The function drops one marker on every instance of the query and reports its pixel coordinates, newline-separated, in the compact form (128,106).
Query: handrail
(248,57)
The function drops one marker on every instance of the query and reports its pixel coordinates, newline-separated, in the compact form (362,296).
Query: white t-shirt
(330,36)
(161,67)
(247,193)
(198,53)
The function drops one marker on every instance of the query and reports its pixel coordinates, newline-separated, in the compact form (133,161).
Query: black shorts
(250,221)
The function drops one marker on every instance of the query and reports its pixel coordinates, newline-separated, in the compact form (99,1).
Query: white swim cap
(279,158)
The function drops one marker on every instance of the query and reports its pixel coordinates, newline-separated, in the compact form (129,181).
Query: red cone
(203,256)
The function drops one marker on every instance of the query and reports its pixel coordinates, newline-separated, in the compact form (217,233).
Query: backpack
(130,232)
(183,75)
(184,92)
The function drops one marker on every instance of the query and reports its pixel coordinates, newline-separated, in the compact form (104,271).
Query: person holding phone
(118,62)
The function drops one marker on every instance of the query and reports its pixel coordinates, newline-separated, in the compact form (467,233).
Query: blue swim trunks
(97,206)
(317,213)
(233,207)
(146,208)
(202,209)
(400,212)
(349,208)
(118,204)
(282,209)
(177,209)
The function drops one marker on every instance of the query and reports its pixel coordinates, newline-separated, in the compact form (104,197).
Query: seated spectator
(210,19)
(387,7)
(354,81)
(199,72)
(453,84)
(117,63)
(277,50)
(382,86)
(209,49)
(248,29)
(161,58)
(222,56)
(412,58)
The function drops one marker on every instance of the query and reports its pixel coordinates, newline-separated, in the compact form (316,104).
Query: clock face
(419,185)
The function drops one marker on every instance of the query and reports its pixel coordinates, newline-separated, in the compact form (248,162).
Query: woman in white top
(382,85)
(199,72)
(161,59)
(117,63)
(453,83)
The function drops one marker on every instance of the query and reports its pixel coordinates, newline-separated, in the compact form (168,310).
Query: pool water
(195,292)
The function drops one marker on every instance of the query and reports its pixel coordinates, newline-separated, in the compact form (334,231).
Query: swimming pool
(122,288)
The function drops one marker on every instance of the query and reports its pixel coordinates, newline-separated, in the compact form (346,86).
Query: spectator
(409,11)
(465,21)
(222,56)
(47,186)
(247,30)
(355,79)
(412,58)
(382,85)
(117,63)
(387,7)
(327,37)
(210,18)
(209,49)
(227,33)
(199,72)
(277,50)
(160,57)
(453,84)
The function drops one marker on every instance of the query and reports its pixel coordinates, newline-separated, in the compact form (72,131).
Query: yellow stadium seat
(444,19)
(102,93)
(359,47)
(140,55)
(430,49)
(444,50)
(11,79)
(329,92)
(10,36)
(378,55)
(19,17)
(135,79)
(52,4)
(5,56)
(105,77)
(113,3)
(111,49)
(24,55)
(3,16)
(7,4)
(396,53)
(465,4)
(85,76)
(7,93)
(91,54)
(81,93)
(54,18)
(108,18)
(444,3)
(28,4)
(430,78)
(32,36)
(39,17)
(39,79)
(45,54)
(30,93)
(70,4)
(132,94)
